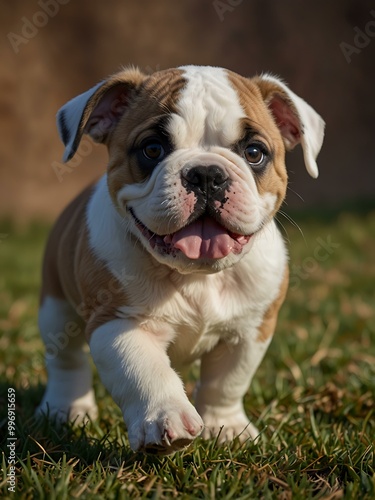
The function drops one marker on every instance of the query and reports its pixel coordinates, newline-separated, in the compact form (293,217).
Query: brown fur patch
(274,179)
(72,272)
(58,264)
(155,99)
(268,325)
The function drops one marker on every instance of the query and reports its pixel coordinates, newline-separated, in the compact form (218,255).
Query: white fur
(160,202)
(134,367)
(106,230)
(177,310)
(201,134)
(208,111)
(188,317)
(174,317)
(69,391)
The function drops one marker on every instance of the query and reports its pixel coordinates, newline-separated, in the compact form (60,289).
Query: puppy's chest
(200,316)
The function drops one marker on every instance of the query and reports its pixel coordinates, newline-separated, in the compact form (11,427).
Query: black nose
(205,180)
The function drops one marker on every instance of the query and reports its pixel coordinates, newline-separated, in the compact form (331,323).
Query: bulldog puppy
(173,255)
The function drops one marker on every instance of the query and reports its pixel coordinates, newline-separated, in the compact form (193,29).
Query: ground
(312,398)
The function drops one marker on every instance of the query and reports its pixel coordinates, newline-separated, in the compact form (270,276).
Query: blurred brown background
(52,50)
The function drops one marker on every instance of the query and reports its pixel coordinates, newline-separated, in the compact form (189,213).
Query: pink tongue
(204,238)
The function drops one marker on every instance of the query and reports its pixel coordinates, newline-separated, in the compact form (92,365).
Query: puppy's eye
(254,155)
(153,150)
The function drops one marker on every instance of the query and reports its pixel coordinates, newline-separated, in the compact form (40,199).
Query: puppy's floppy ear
(297,121)
(97,111)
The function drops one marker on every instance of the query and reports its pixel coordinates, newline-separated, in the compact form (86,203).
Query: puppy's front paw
(228,427)
(169,428)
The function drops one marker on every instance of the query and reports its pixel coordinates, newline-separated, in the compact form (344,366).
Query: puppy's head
(196,156)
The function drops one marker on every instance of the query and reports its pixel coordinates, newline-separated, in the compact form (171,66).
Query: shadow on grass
(41,438)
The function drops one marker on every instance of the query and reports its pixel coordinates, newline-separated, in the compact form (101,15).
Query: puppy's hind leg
(69,393)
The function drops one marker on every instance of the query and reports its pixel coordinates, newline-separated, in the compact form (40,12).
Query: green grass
(312,398)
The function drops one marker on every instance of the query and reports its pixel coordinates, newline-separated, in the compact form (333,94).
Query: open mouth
(204,238)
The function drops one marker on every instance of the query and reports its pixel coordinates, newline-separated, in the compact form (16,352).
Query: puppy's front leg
(226,373)
(133,365)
